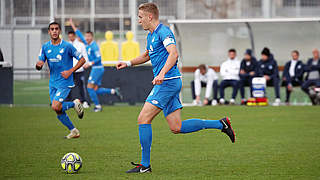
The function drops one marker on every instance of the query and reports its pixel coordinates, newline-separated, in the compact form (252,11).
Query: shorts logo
(61,99)
(154,102)
(58,93)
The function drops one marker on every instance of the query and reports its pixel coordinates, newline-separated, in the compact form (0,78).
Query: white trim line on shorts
(172,78)
(97,66)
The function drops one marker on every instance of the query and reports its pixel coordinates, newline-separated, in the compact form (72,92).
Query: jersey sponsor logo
(54,60)
(167,41)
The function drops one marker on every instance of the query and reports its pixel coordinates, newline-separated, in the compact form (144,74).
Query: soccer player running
(97,70)
(59,55)
(162,51)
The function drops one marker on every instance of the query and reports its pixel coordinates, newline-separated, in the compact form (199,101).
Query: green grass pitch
(272,143)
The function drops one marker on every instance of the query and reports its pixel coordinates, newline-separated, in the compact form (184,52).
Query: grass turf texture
(272,143)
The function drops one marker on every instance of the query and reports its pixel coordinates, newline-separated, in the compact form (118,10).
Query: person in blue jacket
(248,70)
(268,68)
(292,74)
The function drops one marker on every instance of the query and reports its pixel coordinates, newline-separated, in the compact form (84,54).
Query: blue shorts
(59,94)
(166,96)
(96,75)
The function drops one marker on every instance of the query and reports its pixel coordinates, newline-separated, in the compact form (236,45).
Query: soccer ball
(71,162)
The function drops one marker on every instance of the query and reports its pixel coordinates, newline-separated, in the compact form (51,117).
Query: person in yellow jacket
(109,49)
(130,49)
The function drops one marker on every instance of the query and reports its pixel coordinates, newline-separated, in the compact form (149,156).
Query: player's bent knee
(143,119)
(56,108)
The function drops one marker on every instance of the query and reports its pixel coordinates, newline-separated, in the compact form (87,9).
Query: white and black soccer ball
(71,162)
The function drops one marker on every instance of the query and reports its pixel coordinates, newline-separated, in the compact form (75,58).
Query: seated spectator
(313,75)
(292,74)
(248,68)
(229,71)
(268,68)
(204,77)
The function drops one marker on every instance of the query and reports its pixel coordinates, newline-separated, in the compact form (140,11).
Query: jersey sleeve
(167,37)
(74,53)
(80,35)
(42,55)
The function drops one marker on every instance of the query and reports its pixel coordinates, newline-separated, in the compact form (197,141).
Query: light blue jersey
(59,58)
(166,95)
(92,50)
(156,45)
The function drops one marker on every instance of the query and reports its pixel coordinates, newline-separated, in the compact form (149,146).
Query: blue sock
(67,105)
(102,91)
(93,96)
(193,125)
(145,134)
(65,120)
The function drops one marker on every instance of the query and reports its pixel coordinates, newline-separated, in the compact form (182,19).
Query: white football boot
(78,108)
(74,133)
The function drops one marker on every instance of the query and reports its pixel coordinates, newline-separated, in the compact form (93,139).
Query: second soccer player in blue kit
(59,55)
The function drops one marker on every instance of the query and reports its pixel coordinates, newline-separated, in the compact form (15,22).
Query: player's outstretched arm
(66,74)
(72,25)
(78,33)
(138,60)
(39,65)
(171,61)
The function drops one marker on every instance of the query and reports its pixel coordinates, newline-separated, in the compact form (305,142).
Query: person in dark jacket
(248,70)
(268,68)
(313,75)
(292,74)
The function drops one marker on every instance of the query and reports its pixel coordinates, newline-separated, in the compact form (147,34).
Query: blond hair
(150,8)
